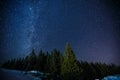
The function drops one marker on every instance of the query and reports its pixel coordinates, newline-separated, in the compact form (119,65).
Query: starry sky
(92,27)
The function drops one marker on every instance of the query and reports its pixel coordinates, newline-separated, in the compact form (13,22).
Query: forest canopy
(64,65)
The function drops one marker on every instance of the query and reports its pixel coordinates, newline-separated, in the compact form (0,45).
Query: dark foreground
(20,75)
(15,75)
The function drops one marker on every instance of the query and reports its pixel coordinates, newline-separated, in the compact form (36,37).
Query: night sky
(92,27)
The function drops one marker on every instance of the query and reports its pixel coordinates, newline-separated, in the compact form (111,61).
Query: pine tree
(70,67)
(31,60)
(53,67)
(47,63)
(60,58)
(41,60)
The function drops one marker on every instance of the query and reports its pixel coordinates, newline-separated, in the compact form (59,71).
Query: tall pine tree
(56,61)
(69,67)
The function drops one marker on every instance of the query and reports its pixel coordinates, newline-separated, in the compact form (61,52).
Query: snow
(116,77)
(34,72)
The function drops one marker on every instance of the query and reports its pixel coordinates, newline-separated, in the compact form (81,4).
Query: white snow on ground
(117,77)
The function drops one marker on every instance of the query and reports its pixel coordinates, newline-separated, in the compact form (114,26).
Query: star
(30,8)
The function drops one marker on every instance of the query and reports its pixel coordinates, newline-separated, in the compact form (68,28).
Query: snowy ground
(15,75)
(116,77)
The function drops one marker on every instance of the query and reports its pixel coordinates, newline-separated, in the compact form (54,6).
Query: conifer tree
(31,60)
(41,60)
(53,67)
(47,63)
(69,67)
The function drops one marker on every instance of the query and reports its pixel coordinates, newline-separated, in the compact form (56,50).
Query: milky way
(90,26)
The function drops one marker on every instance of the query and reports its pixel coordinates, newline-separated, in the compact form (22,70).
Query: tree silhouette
(69,67)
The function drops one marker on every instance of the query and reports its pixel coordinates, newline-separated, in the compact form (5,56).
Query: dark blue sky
(90,26)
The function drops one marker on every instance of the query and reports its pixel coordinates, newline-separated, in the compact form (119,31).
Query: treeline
(66,66)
